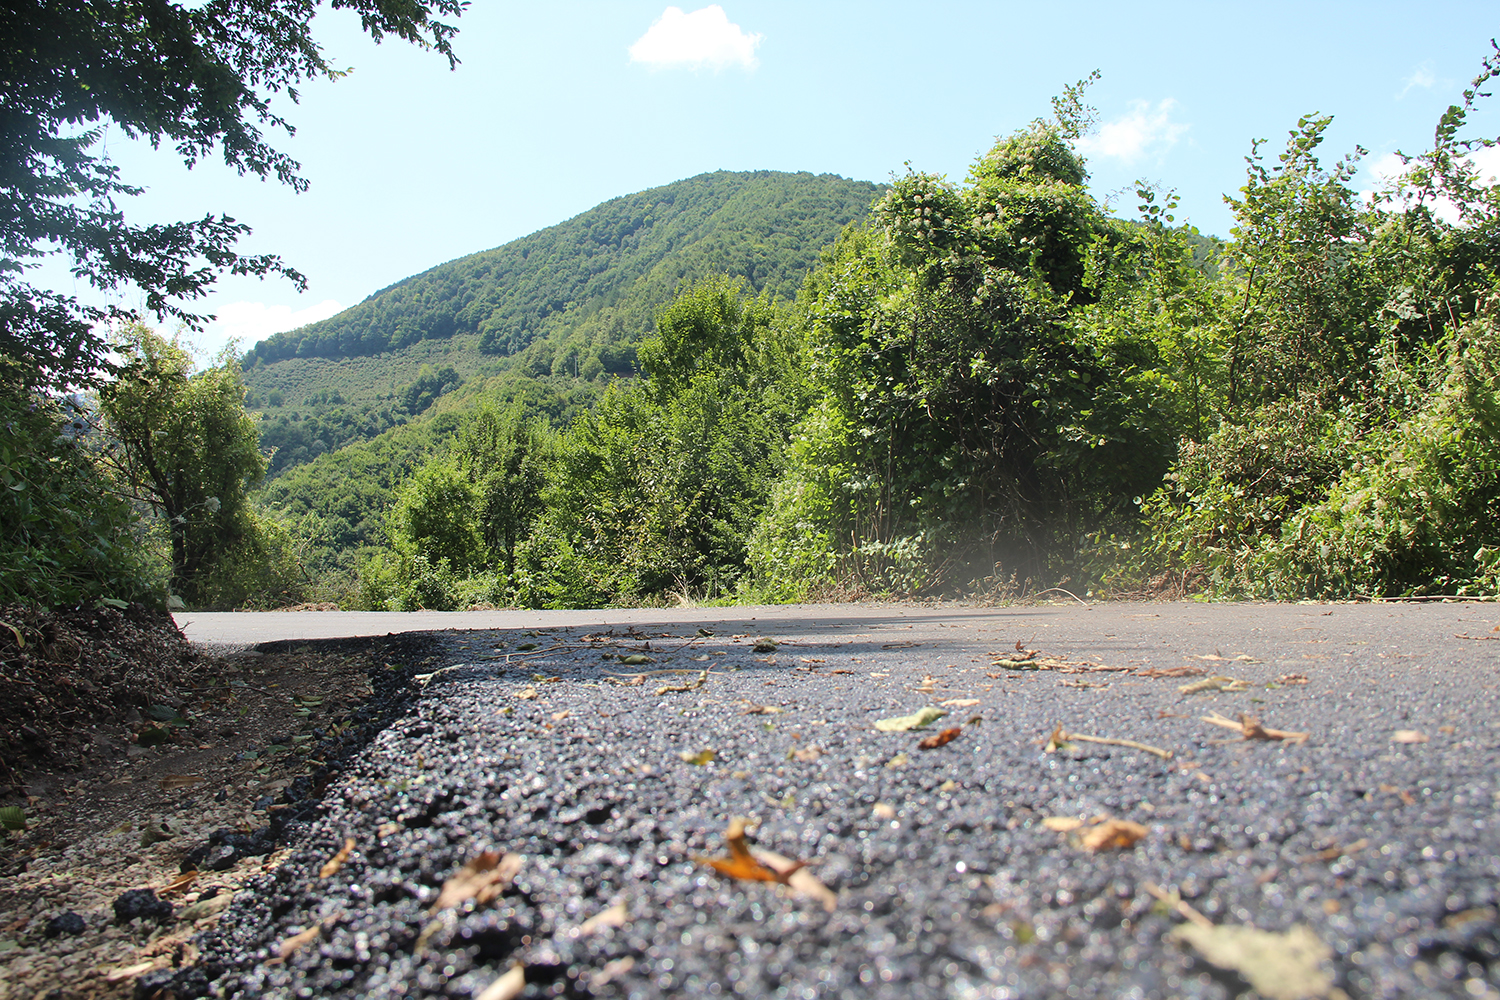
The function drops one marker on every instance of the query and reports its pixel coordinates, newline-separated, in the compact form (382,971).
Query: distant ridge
(597,279)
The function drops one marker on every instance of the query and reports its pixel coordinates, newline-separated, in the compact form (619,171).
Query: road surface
(1355,852)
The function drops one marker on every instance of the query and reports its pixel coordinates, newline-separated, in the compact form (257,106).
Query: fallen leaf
(527,693)
(1062,824)
(612,970)
(1408,736)
(1113,834)
(615,916)
(883,811)
(801,881)
(1216,683)
(1082,684)
(919,719)
(333,864)
(742,864)
(808,754)
(693,685)
(559,716)
(1221,658)
(959,702)
(1171,672)
(508,986)
(753,709)
(699,759)
(1336,851)
(940,739)
(293,944)
(1292,679)
(1278,966)
(483,879)
(129,972)
(900,760)
(808,659)
(764,646)
(635,659)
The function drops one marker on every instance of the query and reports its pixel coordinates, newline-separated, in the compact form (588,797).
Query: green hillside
(572,300)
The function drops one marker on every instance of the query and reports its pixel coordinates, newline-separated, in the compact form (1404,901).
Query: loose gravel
(1377,834)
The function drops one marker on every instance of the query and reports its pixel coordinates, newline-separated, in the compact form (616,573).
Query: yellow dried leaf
(1278,966)
(483,879)
(507,987)
(1062,824)
(883,811)
(959,702)
(527,693)
(615,916)
(1113,834)
(1409,736)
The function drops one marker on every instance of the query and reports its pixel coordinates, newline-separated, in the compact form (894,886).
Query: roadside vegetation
(989,386)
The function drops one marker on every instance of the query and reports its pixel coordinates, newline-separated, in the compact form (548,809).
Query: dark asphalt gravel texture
(948,882)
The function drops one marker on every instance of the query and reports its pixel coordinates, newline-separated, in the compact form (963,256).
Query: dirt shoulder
(136,762)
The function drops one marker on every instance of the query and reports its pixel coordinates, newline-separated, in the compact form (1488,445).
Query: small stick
(1175,901)
(1062,736)
(1249,728)
(1059,590)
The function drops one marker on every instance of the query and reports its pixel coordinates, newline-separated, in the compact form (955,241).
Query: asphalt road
(1367,855)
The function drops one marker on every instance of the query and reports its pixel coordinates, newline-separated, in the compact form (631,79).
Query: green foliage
(977,411)
(66,536)
(201,77)
(184,445)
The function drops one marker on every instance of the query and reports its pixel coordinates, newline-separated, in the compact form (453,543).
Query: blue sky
(558,106)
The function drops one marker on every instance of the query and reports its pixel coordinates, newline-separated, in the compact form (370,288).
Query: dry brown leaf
(1292,679)
(615,916)
(959,703)
(1215,683)
(753,709)
(1336,851)
(808,659)
(527,693)
(1172,672)
(333,864)
(559,716)
(808,754)
(742,864)
(883,811)
(508,986)
(940,739)
(1062,824)
(1408,736)
(799,879)
(1113,834)
(483,879)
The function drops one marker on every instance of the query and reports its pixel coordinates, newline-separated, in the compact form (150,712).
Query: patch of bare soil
(139,763)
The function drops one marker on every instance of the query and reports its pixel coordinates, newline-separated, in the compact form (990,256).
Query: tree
(184,445)
(505,455)
(206,78)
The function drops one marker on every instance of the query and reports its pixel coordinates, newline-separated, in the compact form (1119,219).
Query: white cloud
(703,38)
(249,322)
(1420,77)
(1143,132)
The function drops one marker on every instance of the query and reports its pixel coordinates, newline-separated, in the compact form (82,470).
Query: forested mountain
(602,273)
(572,300)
